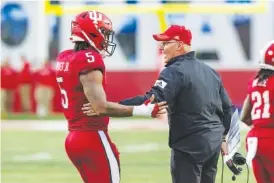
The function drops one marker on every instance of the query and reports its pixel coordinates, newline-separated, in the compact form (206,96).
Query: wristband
(224,139)
(141,110)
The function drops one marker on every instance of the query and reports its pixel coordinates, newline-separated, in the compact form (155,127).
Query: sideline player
(258,110)
(81,77)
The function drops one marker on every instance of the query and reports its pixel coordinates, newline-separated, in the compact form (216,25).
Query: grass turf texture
(32,116)
(147,164)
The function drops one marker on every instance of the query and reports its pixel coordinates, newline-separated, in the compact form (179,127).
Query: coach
(199,110)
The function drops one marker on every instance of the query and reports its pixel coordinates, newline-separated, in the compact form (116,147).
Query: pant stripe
(113,164)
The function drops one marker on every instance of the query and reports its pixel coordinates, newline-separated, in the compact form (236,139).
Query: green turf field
(39,157)
(33,116)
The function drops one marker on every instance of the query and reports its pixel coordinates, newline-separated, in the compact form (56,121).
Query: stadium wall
(122,85)
(130,75)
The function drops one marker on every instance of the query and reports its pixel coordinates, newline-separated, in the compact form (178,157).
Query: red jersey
(70,65)
(25,76)
(46,76)
(9,78)
(262,101)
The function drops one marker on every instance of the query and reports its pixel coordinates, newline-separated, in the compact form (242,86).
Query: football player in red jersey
(80,74)
(258,110)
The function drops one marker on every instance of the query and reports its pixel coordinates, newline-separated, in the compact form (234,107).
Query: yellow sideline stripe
(206,8)
(162,20)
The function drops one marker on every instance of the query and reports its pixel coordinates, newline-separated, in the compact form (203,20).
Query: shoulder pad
(87,60)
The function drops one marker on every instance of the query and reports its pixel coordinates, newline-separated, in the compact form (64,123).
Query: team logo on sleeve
(162,84)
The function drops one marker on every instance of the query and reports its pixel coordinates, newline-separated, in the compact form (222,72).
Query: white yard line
(114,125)
(41,156)
(131,148)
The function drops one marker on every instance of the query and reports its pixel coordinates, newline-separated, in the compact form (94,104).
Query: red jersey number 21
(261,107)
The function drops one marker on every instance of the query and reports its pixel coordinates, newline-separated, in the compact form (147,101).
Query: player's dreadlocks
(263,74)
(81,46)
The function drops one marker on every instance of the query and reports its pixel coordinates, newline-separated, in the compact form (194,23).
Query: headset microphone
(233,178)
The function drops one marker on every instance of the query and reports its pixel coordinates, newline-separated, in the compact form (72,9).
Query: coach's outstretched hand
(147,109)
(150,110)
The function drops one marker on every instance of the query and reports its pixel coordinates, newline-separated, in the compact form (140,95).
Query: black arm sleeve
(165,88)
(227,109)
(138,100)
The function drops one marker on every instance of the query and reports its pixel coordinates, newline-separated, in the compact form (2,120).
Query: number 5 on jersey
(90,57)
(63,92)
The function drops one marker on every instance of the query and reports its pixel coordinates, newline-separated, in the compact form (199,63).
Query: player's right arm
(245,116)
(94,91)
(246,111)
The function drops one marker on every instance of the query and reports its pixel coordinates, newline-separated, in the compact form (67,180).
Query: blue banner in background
(14,24)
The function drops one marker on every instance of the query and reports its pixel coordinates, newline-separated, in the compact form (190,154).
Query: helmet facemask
(108,45)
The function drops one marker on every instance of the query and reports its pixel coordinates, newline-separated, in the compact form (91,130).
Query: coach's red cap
(175,32)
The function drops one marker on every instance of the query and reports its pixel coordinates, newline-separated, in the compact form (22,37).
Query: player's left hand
(148,109)
(88,110)
(153,110)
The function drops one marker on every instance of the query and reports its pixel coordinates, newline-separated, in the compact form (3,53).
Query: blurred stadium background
(227,34)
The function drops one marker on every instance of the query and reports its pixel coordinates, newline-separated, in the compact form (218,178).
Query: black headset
(236,160)
(233,163)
